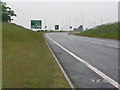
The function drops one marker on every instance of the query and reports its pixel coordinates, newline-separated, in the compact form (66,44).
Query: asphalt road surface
(100,56)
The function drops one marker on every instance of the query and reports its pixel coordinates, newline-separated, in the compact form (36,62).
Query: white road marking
(93,42)
(96,43)
(113,46)
(65,74)
(104,44)
(102,40)
(113,82)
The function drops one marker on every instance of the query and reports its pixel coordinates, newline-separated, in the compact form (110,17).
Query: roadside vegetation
(109,31)
(27,61)
(6,12)
(0,55)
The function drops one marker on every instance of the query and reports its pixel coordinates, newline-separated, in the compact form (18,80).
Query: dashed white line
(113,46)
(97,43)
(113,82)
(105,45)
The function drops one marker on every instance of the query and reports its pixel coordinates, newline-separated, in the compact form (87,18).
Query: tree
(80,27)
(6,12)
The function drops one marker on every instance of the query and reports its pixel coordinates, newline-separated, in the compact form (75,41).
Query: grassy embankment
(104,31)
(0,55)
(27,61)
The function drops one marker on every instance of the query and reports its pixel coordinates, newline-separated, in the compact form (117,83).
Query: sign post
(36,24)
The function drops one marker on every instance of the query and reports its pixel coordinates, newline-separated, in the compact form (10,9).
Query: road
(89,62)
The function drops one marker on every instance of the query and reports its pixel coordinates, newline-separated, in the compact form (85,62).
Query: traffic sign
(56,27)
(36,24)
(70,27)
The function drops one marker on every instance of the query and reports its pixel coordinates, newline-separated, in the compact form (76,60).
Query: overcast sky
(65,14)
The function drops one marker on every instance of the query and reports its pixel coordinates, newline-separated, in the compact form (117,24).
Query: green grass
(104,31)
(27,61)
(0,55)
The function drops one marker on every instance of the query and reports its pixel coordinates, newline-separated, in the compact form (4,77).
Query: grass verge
(0,55)
(27,61)
(109,31)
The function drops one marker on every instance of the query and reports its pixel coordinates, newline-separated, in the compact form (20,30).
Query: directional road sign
(36,24)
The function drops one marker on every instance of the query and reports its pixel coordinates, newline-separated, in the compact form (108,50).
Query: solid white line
(65,74)
(113,82)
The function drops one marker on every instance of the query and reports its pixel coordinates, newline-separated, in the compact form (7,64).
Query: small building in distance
(75,29)
(80,28)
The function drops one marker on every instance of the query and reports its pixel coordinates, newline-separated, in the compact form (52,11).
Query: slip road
(89,62)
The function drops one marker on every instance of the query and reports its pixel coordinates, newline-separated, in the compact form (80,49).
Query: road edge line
(64,73)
